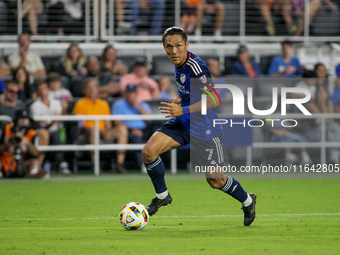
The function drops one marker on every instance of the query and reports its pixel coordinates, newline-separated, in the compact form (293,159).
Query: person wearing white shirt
(46,106)
(30,61)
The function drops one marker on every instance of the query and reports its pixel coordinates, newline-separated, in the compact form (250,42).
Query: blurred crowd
(104,85)
(151,17)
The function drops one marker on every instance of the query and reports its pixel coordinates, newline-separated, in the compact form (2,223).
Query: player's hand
(175,100)
(172,109)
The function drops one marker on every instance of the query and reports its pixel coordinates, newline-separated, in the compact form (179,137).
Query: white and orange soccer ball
(134,216)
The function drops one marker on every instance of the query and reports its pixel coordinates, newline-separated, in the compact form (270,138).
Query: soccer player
(187,125)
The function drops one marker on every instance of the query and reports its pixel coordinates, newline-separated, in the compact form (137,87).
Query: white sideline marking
(183,217)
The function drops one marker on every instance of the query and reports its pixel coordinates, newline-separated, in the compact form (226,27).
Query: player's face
(176,49)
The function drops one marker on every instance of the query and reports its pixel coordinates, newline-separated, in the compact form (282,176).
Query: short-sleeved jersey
(191,78)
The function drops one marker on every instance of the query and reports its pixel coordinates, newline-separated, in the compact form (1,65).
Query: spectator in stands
(321,74)
(336,93)
(215,7)
(165,89)
(18,149)
(8,102)
(26,90)
(122,26)
(286,65)
(73,62)
(46,106)
(57,92)
(65,14)
(215,71)
(284,6)
(244,65)
(188,19)
(298,10)
(110,64)
(107,87)
(9,105)
(129,105)
(147,87)
(323,104)
(32,8)
(92,105)
(149,8)
(24,58)
(4,69)
(308,82)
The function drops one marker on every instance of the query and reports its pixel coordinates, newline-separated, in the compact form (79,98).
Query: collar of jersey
(186,61)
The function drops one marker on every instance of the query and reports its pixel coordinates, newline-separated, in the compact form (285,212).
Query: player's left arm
(201,81)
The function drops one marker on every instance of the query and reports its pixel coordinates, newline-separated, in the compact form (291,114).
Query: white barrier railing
(96,147)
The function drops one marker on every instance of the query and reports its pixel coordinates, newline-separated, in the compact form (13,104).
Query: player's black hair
(175,31)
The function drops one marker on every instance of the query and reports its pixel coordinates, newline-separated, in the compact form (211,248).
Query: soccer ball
(134,216)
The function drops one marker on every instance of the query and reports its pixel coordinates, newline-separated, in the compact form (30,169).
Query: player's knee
(148,154)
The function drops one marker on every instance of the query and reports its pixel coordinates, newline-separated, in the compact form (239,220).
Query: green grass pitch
(79,215)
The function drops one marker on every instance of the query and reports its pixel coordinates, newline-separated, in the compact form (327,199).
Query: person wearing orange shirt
(244,65)
(91,104)
(18,149)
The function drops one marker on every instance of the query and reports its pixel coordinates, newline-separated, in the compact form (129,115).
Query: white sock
(248,201)
(162,195)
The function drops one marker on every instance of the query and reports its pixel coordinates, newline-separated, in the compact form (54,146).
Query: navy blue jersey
(191,77)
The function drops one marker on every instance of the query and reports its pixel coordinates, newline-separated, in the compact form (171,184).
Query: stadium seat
(50,62)
(265,61)
(228,63)
(162,65)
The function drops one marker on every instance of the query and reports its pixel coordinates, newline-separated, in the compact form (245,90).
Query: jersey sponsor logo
(208,132)
(182,78)
(203,79)
(181,89)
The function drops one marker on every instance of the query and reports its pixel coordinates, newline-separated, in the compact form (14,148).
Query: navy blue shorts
(202,152)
